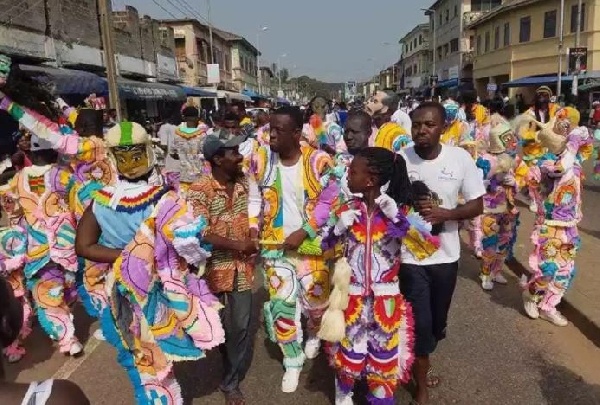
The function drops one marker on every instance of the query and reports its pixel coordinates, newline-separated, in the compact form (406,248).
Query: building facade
(267,81)
(520,39)
(452,56)
(193,51)
(244,61)
(416,58)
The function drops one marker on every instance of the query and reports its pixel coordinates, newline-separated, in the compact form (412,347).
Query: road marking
(73,363)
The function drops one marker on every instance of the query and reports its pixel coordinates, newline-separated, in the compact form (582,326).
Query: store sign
(453,72)
(213,74)
(492,87)
(577,60)
(148,93)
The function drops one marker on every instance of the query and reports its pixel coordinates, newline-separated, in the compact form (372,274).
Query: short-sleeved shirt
(227,217)
(452,173)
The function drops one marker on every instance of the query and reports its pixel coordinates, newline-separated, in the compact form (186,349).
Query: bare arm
(469,210)
(86,240)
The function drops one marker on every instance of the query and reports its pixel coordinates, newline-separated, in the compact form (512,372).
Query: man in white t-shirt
(429,284)
(402,118)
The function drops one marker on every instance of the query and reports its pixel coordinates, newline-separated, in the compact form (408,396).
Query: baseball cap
(212,144)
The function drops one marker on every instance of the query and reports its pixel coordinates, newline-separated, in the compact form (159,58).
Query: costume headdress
(496,144)
(452,108)
(127,135)
(544,90)
(5,64)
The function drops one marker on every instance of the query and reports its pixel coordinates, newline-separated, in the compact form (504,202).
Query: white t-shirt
(292,198)
(166,134)
(451,173)
(403,119)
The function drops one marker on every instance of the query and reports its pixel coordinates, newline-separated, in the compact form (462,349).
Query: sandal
(433,380)
(234,397)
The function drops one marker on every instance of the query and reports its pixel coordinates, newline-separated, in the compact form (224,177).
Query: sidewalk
(581,304)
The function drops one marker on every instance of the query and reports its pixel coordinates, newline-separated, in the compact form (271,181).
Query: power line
(164,9)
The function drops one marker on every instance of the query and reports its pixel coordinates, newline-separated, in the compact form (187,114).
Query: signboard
(453,72)
(577,60)
(213,75)
(492,87)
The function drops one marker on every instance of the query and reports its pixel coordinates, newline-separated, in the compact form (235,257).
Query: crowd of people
(353,218)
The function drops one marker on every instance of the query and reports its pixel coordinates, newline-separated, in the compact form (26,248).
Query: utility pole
(575,87)
(560,49)
(210,33)
(106,26)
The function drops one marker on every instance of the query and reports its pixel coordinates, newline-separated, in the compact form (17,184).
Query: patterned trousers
(378,346)
(296,284)
(553,263)
(496,236)
(17,282)
(91,287)
(475,235)
(53,290)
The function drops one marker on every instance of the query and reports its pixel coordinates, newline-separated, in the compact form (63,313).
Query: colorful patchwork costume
(297,282)
(368,321)
(158,312)
(318,134)
(557,181)
(499,210)
(392,137)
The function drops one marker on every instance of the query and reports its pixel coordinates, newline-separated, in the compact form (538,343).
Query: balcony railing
(471,16)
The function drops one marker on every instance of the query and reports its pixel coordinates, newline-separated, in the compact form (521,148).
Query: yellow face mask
(132,161)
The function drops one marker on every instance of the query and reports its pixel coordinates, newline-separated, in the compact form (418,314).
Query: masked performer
(456,129)
(144,237)
(386,133)
(499,208)
(557,181)
(288,176)
(42,193)
(320,133)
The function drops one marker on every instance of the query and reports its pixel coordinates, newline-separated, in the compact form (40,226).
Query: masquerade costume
(50,262)
(368,321)
(392,137)
(297,281)
(187,145)
(557,181)
(13,249)
(318,133)
(499,210)
(456,129)
(158,312)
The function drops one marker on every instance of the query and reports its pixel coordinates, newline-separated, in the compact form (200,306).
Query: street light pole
(210,33)
(105,11)
(560,49)
(259,76)
(431,13)
(279,69)
(575,87)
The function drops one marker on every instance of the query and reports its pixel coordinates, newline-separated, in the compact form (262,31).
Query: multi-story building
(452,55)
(416,58)
(520,39)
(267,81)
(244,57)
(193,49)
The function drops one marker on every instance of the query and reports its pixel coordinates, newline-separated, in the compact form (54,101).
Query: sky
(331,40)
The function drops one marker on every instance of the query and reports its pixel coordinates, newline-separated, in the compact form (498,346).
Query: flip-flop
(433,380)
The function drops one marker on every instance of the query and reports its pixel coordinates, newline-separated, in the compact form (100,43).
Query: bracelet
(309,230)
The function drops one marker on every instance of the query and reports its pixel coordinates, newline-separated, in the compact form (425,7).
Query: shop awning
(135,90)
(592,85)
(532,81)
(444,84)
(230,95)
(281,100)
(252,94)
(198,92)
(66,81)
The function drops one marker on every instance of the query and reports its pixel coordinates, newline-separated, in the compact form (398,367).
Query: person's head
(230,122)
(24,140)
(130,147)
(452,108)
(191,117)
(496,106)
(428,124)
(542,97)
(357,131)
(318,105)
(502,139)
(90,122)
(224,155)
(285,129)
(262,118)
(375,167)
(42,152)
(382,102)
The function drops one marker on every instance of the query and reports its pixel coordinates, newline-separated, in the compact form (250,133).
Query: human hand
(295,239)
(387,205)
(247,247)
(345,221)
(436,215)
(254,234)
(509,181)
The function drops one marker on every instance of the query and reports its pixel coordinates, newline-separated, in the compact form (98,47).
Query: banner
(213,75)
(577,60)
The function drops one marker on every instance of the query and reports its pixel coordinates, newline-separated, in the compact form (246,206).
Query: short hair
(496,105)
(361,115)
(432,105)
(391,99)
(190,112)
(231,116)
(294,113)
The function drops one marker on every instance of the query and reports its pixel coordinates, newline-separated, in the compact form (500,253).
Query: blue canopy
(281,100)
(198,92)
(252,94)
(66,81)
(136,90)
(447,83)
(530,81)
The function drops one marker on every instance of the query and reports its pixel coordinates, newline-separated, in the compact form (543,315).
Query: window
(454,45)
(525,31)
(478,44)
(415,43)
(441,19)
(456,10)
(497,37)
(484,5)
(447,15)
(574,17)
(439,53)
(550,24)
(446,49)
(506,34)
(420,39)
(487,42)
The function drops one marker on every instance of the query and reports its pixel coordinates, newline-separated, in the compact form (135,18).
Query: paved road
(494,355)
